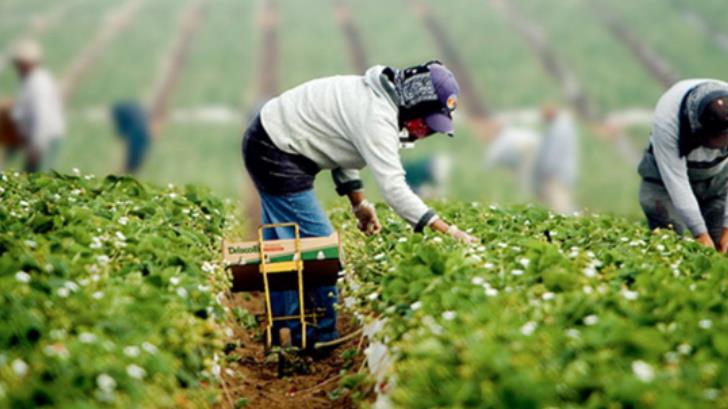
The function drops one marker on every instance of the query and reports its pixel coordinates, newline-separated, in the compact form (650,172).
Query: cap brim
(440,122)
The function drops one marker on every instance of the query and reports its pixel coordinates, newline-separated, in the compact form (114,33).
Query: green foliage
(107,293)
(549,311)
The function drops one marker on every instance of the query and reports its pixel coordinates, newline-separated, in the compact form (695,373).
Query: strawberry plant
(549,311)
(108,293)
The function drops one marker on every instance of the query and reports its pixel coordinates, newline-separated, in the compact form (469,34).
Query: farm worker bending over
(557,161)
(38,111)
(344,123)
(684,169)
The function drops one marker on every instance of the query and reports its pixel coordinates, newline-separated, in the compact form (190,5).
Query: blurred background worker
(557,161)
(343,124)
(132,125)
(684,172)
(38,110)
(429,176)
(514,148)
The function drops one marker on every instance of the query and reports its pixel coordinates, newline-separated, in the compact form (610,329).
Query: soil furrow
(111,26)
(655,64)
(352,36)
(173,64)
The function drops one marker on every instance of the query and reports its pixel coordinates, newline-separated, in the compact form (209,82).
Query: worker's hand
(723,245)
(460,235)
(367,216)
(706,241)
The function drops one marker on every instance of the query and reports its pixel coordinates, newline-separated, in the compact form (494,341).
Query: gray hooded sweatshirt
(344,123)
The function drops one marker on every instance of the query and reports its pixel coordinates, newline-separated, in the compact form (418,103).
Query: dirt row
(285,380)
(173,64)
(655,64)
(534,37)
(268,68)
(111,25)
(37,27)
(699,21)
(351,35)
(472,102)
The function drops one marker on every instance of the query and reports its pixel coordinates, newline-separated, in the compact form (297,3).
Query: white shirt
(38,110)
(673,168)
(344,123)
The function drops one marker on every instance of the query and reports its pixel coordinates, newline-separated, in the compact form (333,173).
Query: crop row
(548,311)
(108,293)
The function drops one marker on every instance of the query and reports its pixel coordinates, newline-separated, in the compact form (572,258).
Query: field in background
(241,52)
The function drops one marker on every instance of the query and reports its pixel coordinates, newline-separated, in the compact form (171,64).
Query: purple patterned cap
(447,90)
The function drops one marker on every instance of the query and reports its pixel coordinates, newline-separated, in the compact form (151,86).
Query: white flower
(203,288)
(590,271)
(87,337)
(402,239)
(208,267)
(20,367)
(182,292)
(71,286)
(448,315)
(2,190)
(705,324)
(488,265)
(548,296)
(102,259)
(684,349)
(173,195)
(437,239)
(97,295)
(524,262)
(174,280)
(711,394)
(136,371)
(491,292)
(229,332)
(31,243)
(379,256)
(95,243)
(119,235)
(643,371)
(216,370)
(76,171)
(591,319)
(123,220)
(528,328)
(22,276)
(502,245)
(76,192)
(416,305)
(517,272)
(660,247)
(149,347)
(63,292)
(373,296)
(105,382)
(477,280)
(630,295)
(572,333)
(587,289)
(131,351)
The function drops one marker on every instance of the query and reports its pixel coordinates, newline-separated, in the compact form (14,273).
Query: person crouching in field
(38,110)
(343,124)
(685,167)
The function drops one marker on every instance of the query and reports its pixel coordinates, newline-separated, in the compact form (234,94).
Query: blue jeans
(302,208)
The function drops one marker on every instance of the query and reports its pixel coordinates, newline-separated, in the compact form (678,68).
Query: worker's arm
(346,180)
(674,173)
(380,150)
